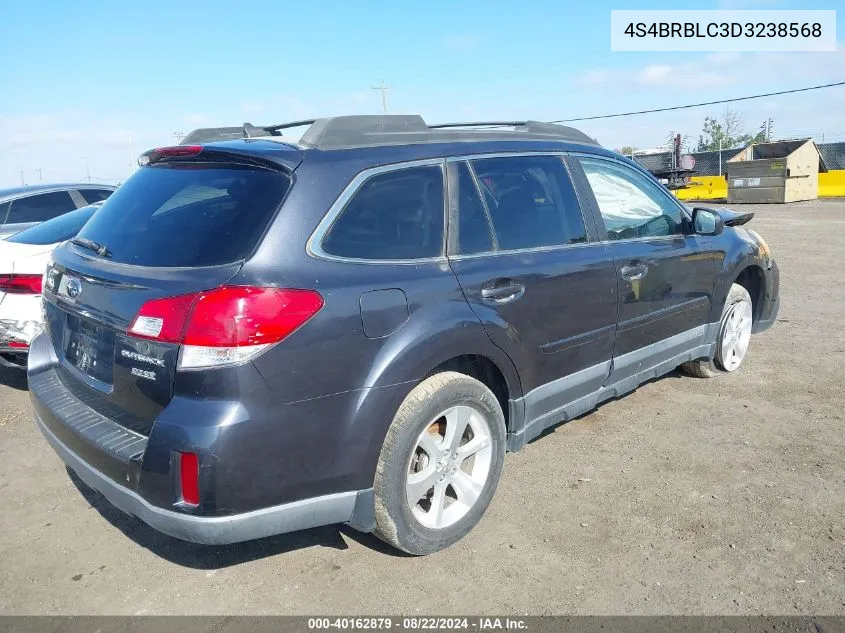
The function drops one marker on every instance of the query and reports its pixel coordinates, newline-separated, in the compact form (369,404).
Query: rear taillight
(189,478)
(17,345)
(21,284)
(225,326)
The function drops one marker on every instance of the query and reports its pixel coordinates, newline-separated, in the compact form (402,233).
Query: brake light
(189,478)
(178,150)
(21,284)
(225,326)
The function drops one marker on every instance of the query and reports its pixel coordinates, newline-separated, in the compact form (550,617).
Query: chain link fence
(708,163)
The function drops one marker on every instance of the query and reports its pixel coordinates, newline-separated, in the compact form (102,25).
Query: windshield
(56,230)
(187,214)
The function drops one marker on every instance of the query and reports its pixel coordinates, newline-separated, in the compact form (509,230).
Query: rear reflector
(189,478)
(21,284)
(225,326)
(18,345)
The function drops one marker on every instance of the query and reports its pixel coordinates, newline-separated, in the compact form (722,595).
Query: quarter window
(95,195)
(531,201)
(40,207)
(394,215)
(631,205)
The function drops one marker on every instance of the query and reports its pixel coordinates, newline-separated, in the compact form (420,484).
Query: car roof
(361,131)
(26,190)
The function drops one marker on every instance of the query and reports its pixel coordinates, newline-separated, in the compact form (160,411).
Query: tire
(732,339)
(453,491)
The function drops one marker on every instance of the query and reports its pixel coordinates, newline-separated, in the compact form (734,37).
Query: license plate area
(89,348)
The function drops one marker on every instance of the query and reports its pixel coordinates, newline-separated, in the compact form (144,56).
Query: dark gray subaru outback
(261,335)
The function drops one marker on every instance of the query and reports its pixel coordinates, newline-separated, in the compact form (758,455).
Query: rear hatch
(181,225)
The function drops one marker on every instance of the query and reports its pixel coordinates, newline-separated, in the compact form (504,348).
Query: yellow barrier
(704,188)
(831,185)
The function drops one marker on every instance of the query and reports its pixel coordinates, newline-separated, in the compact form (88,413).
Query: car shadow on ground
(196,556)
(13,377)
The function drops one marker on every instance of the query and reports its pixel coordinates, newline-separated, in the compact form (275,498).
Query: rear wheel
(440,464)
(733,337)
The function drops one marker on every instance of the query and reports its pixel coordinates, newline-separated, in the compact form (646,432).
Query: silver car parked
(23,207)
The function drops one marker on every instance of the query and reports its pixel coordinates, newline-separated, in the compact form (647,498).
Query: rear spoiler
(247,130)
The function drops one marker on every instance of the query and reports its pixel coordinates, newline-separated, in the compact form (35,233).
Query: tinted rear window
(531,201)
(187,214)
(56,230)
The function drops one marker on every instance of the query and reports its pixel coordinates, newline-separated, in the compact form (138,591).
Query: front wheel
(440,464)
(733,337)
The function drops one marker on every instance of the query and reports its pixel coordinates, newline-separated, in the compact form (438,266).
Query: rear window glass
(395,215)
(187,214)
(56,230)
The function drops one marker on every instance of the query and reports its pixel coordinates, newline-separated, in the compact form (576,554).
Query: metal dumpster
(783,171)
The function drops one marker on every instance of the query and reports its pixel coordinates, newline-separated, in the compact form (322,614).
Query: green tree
(727,132)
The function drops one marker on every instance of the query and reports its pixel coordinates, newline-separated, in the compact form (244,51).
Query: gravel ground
(689,496)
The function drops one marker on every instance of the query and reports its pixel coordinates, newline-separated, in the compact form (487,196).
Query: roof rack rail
(393,129)
(480,124)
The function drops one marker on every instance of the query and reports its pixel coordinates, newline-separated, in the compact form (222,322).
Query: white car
(23,260)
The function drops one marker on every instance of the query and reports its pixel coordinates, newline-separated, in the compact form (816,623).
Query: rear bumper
(245,493)
(288,517)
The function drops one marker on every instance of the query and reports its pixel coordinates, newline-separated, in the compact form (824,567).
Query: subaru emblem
(74,288)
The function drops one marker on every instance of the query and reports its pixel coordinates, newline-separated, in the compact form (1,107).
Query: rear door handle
(632,272)
(503,291)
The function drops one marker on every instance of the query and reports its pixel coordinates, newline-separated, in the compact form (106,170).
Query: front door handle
(633,272)
(502,291)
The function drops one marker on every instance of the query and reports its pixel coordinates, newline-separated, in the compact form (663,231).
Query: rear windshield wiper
(91,245)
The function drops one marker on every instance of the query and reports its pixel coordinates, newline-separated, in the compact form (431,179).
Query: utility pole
(720,155)
(767,126)
(131,157)
(87,169)
(383,88)
(23,184)
(39,174)
(179,136)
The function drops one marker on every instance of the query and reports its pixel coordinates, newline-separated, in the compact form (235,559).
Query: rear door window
(187,214)
(40,207)
(95,195)
(394,215)
(531,201)
(474,234)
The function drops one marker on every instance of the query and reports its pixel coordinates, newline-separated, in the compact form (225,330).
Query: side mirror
(706,222)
